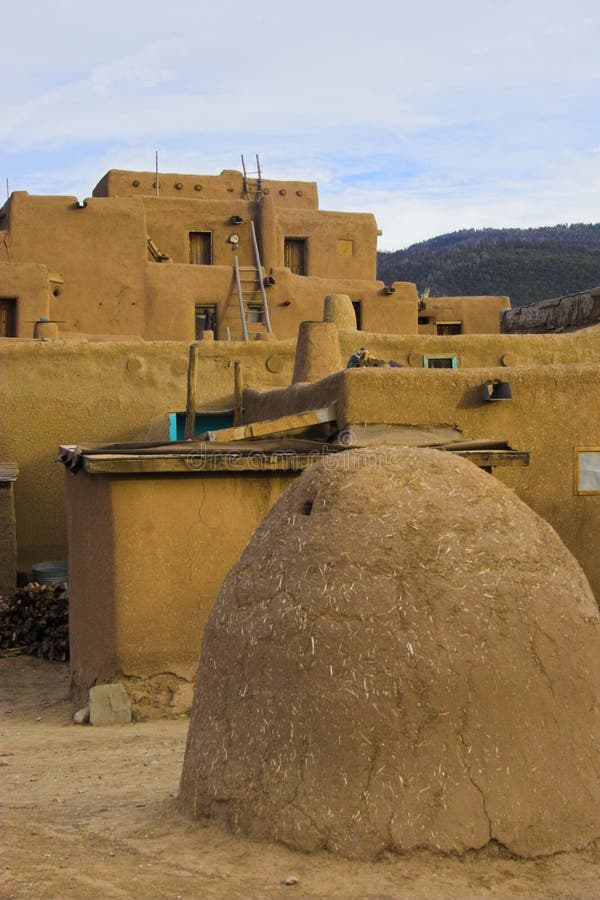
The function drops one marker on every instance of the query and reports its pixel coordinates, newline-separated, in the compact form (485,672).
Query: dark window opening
(449,327)
(425,320)
(357,304)
(307,507)
(201,248)
(256,315)
(295,255)
(206,320)
(8,317)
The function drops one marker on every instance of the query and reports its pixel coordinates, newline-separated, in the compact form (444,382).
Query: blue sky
(433,115)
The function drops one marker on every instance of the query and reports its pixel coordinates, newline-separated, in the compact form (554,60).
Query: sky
(435,116)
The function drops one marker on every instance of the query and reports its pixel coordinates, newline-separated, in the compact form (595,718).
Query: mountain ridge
(526,264)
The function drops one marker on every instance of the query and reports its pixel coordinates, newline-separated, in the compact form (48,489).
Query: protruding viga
(405,656)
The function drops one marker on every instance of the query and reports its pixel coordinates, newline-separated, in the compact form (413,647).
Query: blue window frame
(440,361)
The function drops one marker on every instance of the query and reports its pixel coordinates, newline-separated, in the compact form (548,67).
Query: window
(206,320)
(425,320)
(357,304)
(449,327)
(201,248)
(440,362)
(294,255)
(256,314)
(345,247)
(8,308)
(587,470)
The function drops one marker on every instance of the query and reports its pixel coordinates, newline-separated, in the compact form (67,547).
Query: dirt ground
(89,814)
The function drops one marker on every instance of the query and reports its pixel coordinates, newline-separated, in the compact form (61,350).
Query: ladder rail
(259,173)
(238,282)
(260,280)
(246,191)
(246,180)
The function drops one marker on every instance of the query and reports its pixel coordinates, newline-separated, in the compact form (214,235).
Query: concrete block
(109,705)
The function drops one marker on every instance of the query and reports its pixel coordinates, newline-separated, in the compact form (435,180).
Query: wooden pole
(238,392)
(259,278)
(190,409)
(238,281)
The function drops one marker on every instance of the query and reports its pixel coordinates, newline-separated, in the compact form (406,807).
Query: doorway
(201,248)
(357,304)
(8,316)
(294,256)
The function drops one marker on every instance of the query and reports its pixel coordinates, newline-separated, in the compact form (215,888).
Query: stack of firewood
(35,620)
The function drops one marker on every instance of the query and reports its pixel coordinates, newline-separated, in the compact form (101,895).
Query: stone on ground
(109,705)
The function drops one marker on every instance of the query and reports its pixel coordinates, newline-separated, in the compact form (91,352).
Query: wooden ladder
(250,284)
(256,187)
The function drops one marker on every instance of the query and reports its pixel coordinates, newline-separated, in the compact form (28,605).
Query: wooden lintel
(197,462)
(490,458)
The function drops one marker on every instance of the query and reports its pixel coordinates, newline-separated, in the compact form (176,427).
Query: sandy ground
(89,814)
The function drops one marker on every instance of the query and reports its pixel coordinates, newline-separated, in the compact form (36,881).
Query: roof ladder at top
(253,187)
(250,283)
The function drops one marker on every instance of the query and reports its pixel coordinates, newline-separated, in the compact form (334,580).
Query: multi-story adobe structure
(156,259)
(129,279)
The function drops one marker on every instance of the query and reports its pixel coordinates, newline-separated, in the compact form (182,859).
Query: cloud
(434,116)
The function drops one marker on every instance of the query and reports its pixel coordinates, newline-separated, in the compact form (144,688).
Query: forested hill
(527,264)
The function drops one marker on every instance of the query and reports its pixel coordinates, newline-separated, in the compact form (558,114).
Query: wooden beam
(190,408)
(238,392)
(199,463)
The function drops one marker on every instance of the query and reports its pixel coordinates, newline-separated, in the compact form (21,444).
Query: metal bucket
(51,572)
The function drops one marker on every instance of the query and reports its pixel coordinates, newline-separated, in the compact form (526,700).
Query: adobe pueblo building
(152,523)
(188,254)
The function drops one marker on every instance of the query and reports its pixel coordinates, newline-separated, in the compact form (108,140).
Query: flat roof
(205,458)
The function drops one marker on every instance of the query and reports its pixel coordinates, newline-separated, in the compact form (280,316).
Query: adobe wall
(8,537)
(229,185)
(159,545)
(100,250)
(327,234)
(174,289)
(472,351)
(553,410)
(72,392)
(294,299)
(477,315)
(169,222)
(29,283)
(479,349)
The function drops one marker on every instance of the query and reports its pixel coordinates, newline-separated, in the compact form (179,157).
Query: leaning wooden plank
(283,425)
